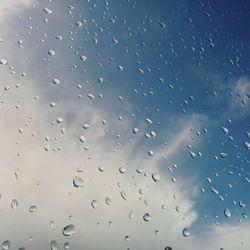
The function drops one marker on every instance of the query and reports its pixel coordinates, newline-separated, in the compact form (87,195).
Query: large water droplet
(78,181)
(6,245)
(69,230)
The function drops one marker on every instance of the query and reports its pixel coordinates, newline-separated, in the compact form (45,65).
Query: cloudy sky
(128,120)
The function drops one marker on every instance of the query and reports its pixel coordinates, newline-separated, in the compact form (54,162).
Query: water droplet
(131,215)
(223,155)
(78,181)
(14,204)
(157,232)
(53,245)
(94,203)
(6,245)
(59,120)
(56,81)
(127,238)
(192,154)
(168,248)
(51,52)
(123,195)
(52,104)
(91,96)
(241,204)
(83,58)
(244,215)
(78,24)
(185,232)
(3,61)
(82,139)
(150,152)
(86,126)
(147,217)
(47,10)
(108,201)
(120,67)
(225,130)
(33,209)
(247,145)
(122,170)
(69,230)
(155,177)
(135,130)
(215,191)
(66,245)
(227,213)
(59,37)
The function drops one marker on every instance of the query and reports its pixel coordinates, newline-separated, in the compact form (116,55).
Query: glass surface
(124,124)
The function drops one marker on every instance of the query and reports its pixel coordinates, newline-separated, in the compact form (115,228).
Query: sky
(145,103)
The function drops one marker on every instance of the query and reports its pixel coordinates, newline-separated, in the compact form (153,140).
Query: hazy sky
(145,103)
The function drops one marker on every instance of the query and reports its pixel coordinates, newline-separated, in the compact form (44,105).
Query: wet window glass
(124,124)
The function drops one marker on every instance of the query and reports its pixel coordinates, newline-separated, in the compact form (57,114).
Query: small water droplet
(122,170)
(78,24)
(59,120)
(150,152)
(56,81)
(94,203)
(155,177)
(147,217)
(135,130)
(192,154)
(127,238)
(3,61)
(82,139)
(33,209)
(227,213)
(108,201)
(83,58)
(66,245)
(185,232)
(14,204)
(91,96)
(51,52)
(247,145)
(47,10)
(124,195)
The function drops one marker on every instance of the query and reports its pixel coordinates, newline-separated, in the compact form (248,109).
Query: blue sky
(176,70)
